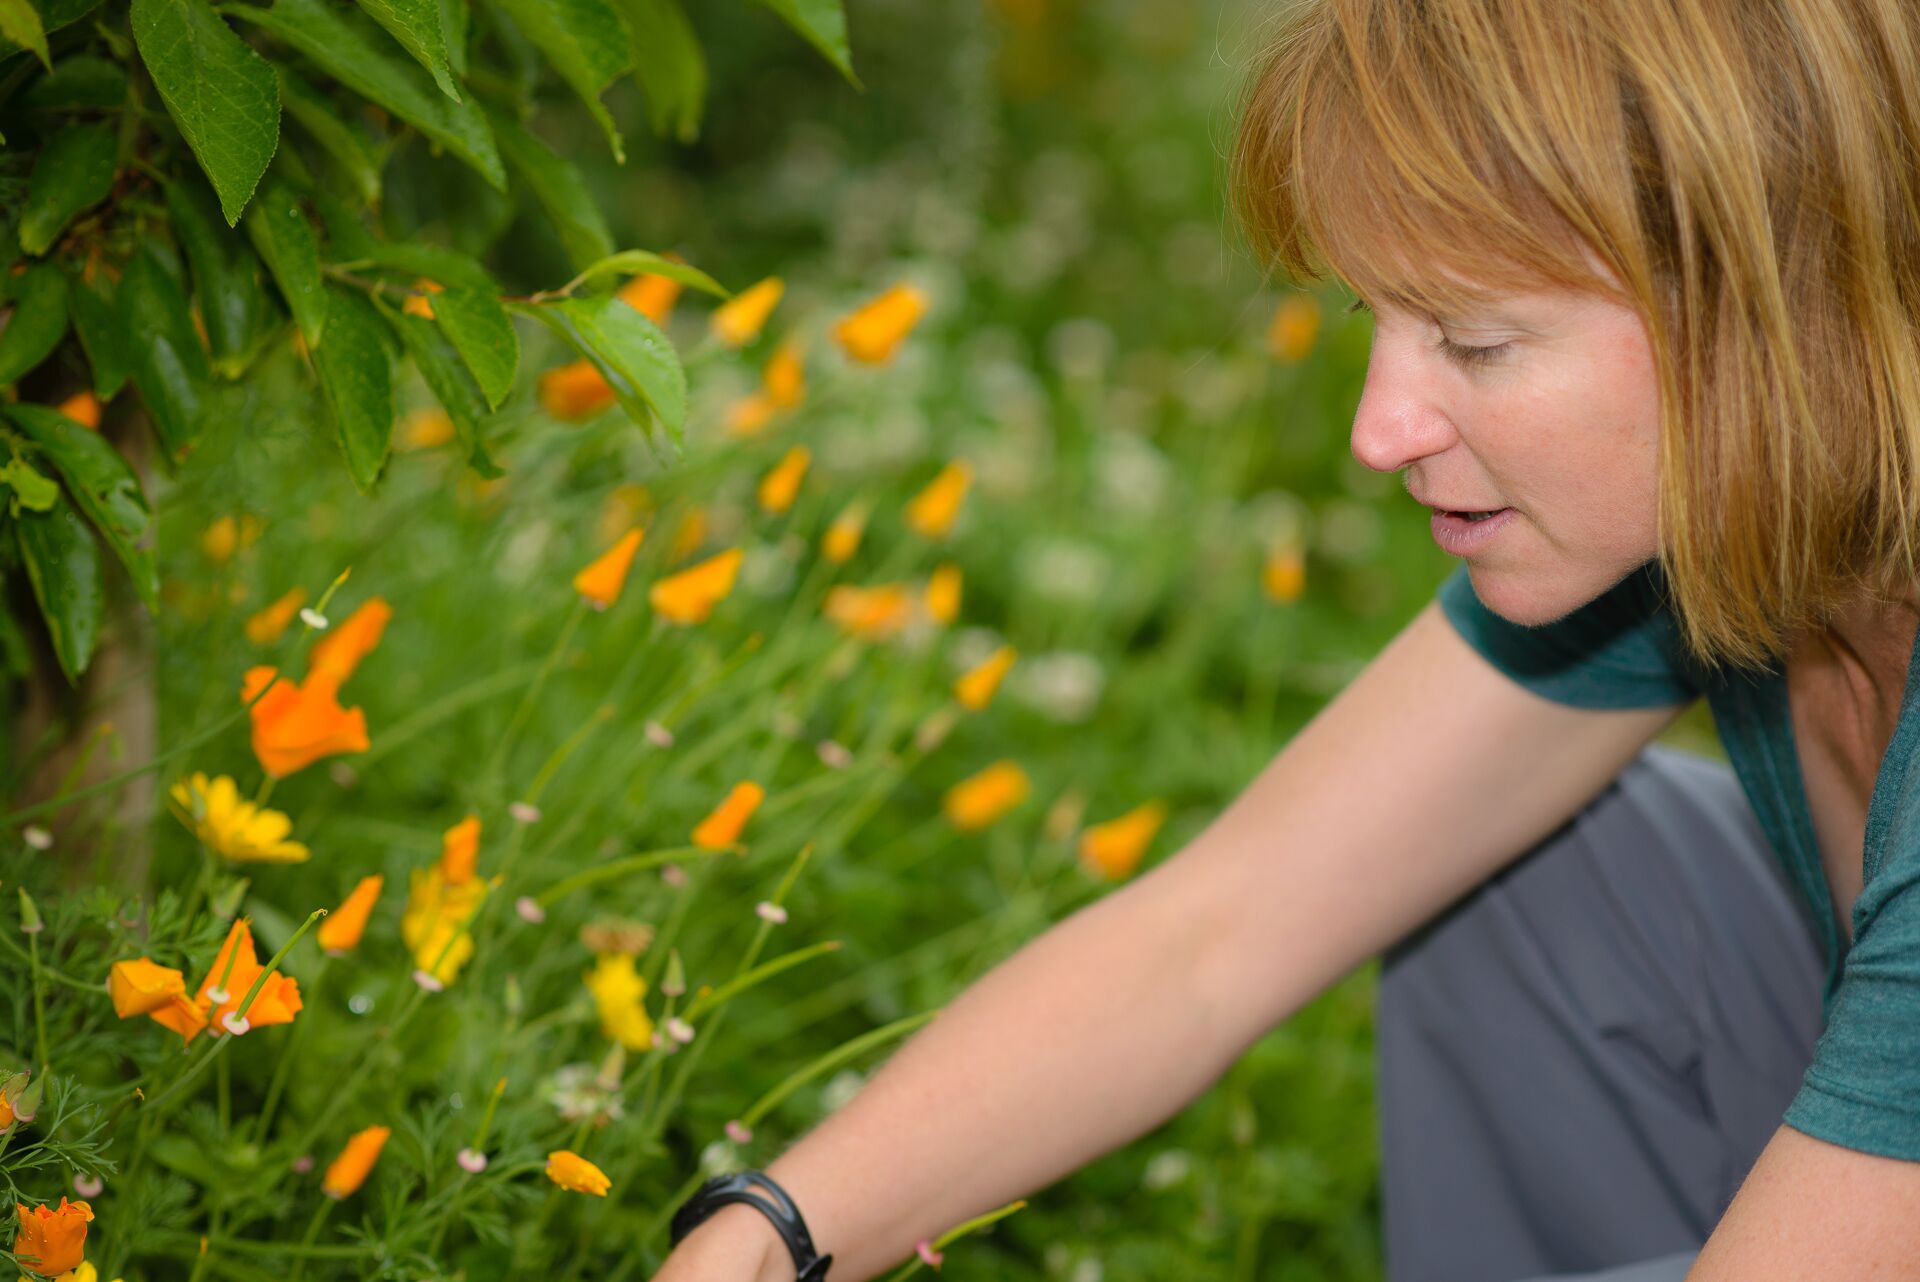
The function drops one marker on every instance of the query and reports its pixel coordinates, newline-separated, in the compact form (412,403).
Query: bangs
(1372,156)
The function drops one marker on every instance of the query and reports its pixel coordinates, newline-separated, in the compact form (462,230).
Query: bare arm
(1423,777)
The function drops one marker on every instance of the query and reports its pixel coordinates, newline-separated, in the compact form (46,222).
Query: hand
(735,1244)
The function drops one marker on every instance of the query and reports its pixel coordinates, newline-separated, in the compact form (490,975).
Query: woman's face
(1554,414)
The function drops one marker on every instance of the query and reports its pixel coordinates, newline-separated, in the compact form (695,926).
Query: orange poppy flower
(842,538)
(874,613)
(689,596)
(576,1174)
(652,296)
(601,581)
(575,391)
(784,377)
(265,626)
(225,987)
(721,829)
(142,986)
(52,1240)
(781,485)
(932,511)
(296,725)
(739,320)
(1113,849)
(341,930)
(347,1172)
(975,687)
(871,332)
(975,802)
(346,643)
(460,851)
(942,597)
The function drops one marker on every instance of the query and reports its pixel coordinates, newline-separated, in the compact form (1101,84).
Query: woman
(1646,276)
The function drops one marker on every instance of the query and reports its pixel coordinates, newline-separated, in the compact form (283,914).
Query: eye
(1468,356)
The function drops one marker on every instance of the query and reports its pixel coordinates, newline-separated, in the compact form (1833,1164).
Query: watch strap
(724,1190)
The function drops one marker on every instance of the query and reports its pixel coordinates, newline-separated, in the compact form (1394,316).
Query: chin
(1534,599)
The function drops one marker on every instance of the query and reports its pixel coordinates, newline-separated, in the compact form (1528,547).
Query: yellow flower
(617,990)
(975,687)
(600,582)
(83,407)
(576,1174)
(228,535)
(347,1172)
(460,851)
(749,415)
(575,391)
(689,596)
(975,802)
(721,829)
(1284,576)
(932,511)
(942,598)
(433,926)
(784,377)
(142,986)
(265,626)
(870,333)
(231,828)
(874,613)
(51,1241)
(651,295)
(1112,849)
(341,930)
(1295,324)
(842,538)
(740,319)
(419,304)
(426,427)
(780,486)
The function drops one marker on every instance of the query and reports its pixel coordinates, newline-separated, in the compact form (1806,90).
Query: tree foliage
(189,189)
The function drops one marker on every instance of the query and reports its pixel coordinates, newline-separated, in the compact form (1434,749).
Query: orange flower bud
(142,986)
(842,538)
(52,1240)
(781,485)
(460,851)
(873,614)
(1112,849)
(341,930)
(975,802)
(601,581)
(576,1174)
(349,1171)
(932,511)
(975,687)
(942,597)
(739,320)
(870,333)
(265,626)
(721,829)
(575,391)
(83,407)
(689,596)
(784,378)
(652,296)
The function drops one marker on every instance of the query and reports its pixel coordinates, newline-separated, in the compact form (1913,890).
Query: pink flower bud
(658,735)
(426,981)
(524,813)
(679,1029)
(302,1164)
(37,837)
(471,1160)
(673,874)
(926,1252)
(771,911)
(833,755)
(738,1132)
(88,1185)
(529,909)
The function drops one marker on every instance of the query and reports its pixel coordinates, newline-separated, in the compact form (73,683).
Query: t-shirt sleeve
(1619,650)
(1862,1090)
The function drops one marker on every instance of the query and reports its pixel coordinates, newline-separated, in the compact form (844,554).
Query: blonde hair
(1747,170)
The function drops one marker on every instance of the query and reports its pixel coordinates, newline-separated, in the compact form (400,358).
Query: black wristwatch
(737,1187)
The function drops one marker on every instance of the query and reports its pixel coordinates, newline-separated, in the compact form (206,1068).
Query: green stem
(614,868)
(491,774)
(39,1005)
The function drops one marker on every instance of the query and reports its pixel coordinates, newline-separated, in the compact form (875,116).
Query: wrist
(753,1249)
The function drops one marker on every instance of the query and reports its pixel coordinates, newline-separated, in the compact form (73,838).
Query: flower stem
(39,1005)
(491,775)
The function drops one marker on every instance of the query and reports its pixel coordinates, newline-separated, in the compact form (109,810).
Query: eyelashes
(1461,354)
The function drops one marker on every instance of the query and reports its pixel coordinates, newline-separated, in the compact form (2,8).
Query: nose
(1399,420)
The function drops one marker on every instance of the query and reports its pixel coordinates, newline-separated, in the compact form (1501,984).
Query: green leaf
(437,263)
(557,185)
(356,155)
(824,24)
(90,303)
(225,278)
(20,23)
(79,81)
(416,24)
(14,658)
(434,357)
(285,241)
(102,484)
(586,43)
(54,14)
(356,374)
(635,358)
(347,48)
(63,563)
(453,26)
(164,355)
(31,490)
(39,321)
(630,262)
(669,64)
(74,171)
(483,334)
(223,95)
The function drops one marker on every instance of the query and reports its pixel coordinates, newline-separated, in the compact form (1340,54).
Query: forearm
(1089,1036)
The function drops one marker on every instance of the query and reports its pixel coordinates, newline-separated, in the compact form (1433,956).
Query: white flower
(313,618)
